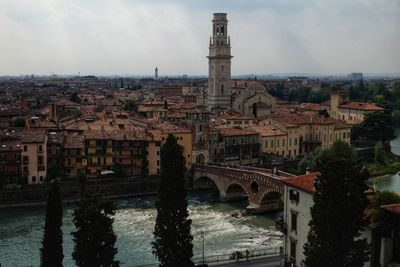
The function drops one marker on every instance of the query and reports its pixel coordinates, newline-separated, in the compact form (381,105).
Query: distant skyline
(132,37)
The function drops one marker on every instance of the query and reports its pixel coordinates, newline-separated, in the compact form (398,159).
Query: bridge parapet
(257,183)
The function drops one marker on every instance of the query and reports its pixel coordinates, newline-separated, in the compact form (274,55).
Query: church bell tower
(219,64)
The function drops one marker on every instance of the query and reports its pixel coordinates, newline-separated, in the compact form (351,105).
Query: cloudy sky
(133,36)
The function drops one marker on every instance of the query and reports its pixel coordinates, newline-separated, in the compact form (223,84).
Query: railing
(235,256)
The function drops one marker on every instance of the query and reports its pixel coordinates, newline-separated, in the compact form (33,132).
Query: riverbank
(35,195)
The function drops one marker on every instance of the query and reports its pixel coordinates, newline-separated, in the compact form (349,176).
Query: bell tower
(219,64)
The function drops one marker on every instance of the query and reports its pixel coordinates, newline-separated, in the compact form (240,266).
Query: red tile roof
(361,106)
(395,208)
(303,182)
(311,107)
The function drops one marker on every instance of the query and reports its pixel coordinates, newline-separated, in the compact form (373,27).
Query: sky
(132,37)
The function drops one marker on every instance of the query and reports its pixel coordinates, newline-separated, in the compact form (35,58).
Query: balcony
(280,225)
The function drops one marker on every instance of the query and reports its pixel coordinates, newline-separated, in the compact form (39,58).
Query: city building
(351,112)
(219,64)
(34,156)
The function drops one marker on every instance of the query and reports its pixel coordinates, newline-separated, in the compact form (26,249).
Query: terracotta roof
(310,106)
(361,106)
(299,119)
(303,182)
(33,136)
(237,131)
(268,130)
(395,208)
(341,125)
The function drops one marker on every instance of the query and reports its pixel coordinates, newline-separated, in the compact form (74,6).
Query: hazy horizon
(132,37)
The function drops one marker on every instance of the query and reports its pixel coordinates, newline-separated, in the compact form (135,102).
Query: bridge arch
(271,200)
(235,191)
(209,182)
(200,158)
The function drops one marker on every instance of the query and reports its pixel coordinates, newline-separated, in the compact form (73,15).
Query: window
(222,89)
(25,148)
(290,141)
(344,135)
(158,152)
(158,162)
(293,221)
(40,148)
(295,141)
(272,143)
(293,249)
(277,143)
(283,142)
(33,178)
(266,144)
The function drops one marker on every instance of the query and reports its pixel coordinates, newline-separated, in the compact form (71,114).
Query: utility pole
(202,236)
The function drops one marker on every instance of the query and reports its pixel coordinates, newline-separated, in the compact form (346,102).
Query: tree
(75,98)
(254,110)
(380,199)
(172,243)
(82,178)
(118,170)
(52,239)
(94,237)
(18,122)
(54,170)
(379,153)
(377,126)
(337,215)
(131,105)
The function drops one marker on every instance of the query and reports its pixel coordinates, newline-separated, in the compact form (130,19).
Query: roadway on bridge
(265,262)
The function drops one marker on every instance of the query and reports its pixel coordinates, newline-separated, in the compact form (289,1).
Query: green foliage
(383,198)
(18,122)
(310,161)
(94,237)
(387,198)
(379,153)
(396,90)
(303,94)
(131,105)
(324,113)
(54,170)
(378,215)
(172,243)
(337,215)
(118,170)
(75,98)
(396,118)
(82,179)
(377,126)
(52,239)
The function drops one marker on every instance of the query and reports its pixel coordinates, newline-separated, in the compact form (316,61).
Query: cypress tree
(337,215)
(172,243)
(94,237)
(52,253)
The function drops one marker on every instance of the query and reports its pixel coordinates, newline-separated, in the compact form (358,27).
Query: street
(266,262)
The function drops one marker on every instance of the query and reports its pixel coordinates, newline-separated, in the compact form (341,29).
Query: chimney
(308,170)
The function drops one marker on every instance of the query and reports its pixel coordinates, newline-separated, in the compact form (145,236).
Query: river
(390,182)
(21,230)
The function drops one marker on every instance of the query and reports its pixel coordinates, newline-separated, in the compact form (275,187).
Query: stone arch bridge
(262,187)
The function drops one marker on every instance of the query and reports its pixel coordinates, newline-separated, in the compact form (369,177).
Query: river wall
(35,195)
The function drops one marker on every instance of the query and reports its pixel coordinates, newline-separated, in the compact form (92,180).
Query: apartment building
(34,156)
